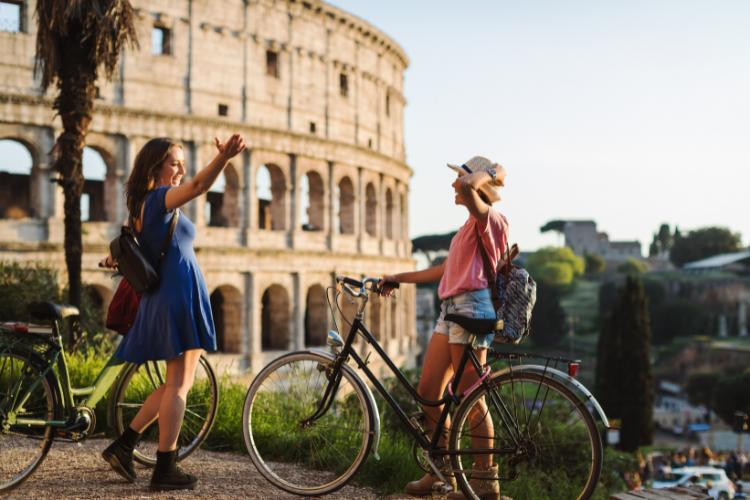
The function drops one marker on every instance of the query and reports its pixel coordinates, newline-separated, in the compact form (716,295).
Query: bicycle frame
(94,393)
(448,399)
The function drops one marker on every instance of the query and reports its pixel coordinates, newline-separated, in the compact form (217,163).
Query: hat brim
(492,193)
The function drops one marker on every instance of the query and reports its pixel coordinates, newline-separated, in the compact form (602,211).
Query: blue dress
(176,316)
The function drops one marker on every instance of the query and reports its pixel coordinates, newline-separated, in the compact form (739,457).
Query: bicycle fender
(368,394)
(571,383)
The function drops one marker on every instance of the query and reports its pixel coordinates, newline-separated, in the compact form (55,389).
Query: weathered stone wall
(301,126)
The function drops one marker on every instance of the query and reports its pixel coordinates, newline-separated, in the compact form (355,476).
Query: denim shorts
(475,304)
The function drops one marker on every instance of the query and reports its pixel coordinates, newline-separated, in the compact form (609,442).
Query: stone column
(295,200)
(298,313)
(246,185)
(251,330)
(203,155)
(361,210)
(332,228)
(723,330)
(380,219)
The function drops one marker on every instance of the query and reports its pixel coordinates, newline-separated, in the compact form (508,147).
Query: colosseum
(323,188)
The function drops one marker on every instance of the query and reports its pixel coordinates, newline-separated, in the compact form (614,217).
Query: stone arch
(402,217)
(223,200)
(346,205)
(275,315)
(313,199)
(16,162)
(389,208)
(226,308)
(270,184)
(316,316)
(93,198)
(371,210)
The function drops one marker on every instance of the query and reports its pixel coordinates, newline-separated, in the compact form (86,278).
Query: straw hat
(480,163)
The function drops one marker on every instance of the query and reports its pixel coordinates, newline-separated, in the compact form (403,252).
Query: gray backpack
(513,296)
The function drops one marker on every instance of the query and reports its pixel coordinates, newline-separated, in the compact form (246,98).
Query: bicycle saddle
(51,311)
(474,325)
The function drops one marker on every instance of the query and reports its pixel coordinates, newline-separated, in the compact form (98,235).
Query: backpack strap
(489,271)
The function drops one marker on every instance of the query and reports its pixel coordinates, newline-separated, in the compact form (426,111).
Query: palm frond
(104,27)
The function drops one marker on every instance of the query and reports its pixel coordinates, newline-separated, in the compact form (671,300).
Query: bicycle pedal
(442,488)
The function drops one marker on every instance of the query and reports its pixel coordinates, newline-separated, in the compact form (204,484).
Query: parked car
(715,479)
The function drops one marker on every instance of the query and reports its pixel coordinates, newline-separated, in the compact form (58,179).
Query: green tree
(702,243)
(555,266)
(594,264)
(548,320)
(664,237)
(74,39)
(632,266)
(679,318)
(623,380)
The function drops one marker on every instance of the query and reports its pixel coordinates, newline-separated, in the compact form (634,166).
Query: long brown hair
(145,173)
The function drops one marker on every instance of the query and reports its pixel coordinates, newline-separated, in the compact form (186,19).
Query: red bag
(123,308)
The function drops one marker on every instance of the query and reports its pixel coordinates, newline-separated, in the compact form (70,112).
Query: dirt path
(72,471)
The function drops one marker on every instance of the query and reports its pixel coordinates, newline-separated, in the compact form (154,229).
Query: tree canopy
(553,225)
(703,243)
(555,266)
(632,266)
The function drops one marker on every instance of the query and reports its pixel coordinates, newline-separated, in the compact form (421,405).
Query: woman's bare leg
(436,372)
(148,412)
(479,417)
(180,374)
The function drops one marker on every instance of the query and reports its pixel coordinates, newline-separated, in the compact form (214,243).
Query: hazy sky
(631,113)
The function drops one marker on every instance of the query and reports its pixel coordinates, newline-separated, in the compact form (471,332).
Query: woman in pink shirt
(464,291)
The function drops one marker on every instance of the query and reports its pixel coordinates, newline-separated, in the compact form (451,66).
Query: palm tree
(74,39)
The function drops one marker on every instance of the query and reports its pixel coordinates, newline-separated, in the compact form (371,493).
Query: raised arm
(202,181)
(468,185)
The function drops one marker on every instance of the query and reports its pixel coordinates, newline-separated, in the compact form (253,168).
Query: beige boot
(484,483)
(423,487)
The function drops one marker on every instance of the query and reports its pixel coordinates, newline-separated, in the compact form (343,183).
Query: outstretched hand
(386,285)
(232,147)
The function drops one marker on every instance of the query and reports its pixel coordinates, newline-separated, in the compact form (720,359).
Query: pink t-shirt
(464,268)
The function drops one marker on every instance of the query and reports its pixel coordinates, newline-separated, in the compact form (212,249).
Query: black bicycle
(309,419)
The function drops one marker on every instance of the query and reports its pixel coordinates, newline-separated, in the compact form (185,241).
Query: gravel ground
(73,471)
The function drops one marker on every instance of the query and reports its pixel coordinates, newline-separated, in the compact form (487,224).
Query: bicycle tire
(43,403)
(308,460)
(138,381)
(559,452)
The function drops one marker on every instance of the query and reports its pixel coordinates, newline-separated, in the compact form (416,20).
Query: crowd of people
(660,464)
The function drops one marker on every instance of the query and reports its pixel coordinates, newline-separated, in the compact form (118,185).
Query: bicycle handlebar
(347,282)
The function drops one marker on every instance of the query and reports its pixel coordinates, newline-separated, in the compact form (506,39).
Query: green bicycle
(38,404)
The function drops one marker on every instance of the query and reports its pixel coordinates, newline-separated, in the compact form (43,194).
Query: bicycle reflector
(573,369)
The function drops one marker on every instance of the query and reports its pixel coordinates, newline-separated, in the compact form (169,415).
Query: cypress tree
(624,384)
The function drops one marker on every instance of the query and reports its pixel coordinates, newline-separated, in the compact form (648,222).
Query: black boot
(119,454)
(167,476)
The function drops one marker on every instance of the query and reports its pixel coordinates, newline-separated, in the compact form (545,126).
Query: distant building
(735,262)
(582,237)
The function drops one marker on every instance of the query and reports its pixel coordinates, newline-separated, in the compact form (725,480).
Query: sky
(632,113)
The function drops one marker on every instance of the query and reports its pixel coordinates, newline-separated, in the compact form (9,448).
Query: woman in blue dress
(174,321)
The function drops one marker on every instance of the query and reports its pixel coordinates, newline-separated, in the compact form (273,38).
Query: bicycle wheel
(200,407)
(546,445)
(23,447)
(301,456)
